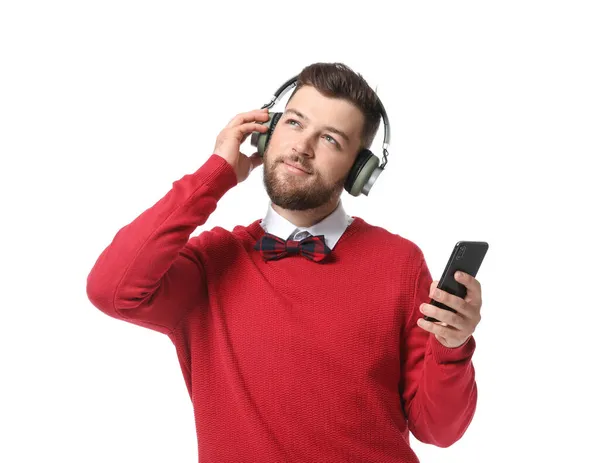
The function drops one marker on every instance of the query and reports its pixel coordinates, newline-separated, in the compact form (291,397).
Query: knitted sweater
(288,360)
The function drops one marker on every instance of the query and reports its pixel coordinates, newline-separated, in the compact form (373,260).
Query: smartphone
(466,257)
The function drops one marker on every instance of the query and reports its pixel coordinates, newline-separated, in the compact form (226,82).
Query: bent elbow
(99,293)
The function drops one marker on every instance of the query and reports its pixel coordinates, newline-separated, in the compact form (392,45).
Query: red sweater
(288,360)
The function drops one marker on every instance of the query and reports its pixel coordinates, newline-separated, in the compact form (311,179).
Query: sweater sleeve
(439,389)
(148,275)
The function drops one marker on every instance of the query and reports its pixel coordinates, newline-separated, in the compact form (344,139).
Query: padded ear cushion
(355,172)
(260,139)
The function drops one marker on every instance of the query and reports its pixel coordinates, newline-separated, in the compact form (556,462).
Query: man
(297,356)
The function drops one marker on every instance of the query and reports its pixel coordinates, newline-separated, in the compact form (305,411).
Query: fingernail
(457,275)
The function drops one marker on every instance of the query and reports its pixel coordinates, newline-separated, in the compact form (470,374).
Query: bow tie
(312,247)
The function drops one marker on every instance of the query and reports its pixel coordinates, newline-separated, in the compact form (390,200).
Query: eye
(332,139)
(329,138)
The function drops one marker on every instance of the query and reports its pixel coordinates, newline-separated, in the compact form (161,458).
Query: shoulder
(217,239)
(394,245)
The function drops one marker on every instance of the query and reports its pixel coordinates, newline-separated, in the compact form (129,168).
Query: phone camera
(461,252)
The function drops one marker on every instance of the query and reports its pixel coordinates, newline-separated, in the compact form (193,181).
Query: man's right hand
(234,134)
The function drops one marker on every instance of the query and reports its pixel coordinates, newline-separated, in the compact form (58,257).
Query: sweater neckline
(256,231)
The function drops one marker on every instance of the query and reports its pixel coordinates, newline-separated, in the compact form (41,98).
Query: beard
(297,192)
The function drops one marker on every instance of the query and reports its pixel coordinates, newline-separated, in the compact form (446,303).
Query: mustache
(297,161)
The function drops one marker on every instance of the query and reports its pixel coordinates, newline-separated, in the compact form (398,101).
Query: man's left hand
(454,329)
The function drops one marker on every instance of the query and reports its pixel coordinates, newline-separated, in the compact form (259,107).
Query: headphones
(365,169)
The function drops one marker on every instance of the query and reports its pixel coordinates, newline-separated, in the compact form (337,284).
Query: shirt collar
(332,226)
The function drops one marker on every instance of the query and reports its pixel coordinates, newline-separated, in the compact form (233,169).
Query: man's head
(331,115)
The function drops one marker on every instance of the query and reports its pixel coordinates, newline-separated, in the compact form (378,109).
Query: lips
(297,166)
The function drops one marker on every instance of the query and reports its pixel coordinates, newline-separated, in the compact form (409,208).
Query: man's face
(310,134)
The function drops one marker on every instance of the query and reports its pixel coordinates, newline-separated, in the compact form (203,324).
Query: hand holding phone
(466,257)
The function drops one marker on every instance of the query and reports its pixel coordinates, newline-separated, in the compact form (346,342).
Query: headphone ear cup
(360,172)
(261,140)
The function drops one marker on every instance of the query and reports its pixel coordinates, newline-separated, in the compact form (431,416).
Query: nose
(303,145)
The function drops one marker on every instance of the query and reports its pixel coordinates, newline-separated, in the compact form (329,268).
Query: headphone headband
(291,83)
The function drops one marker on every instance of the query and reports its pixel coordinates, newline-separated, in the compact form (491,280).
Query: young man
(319,354)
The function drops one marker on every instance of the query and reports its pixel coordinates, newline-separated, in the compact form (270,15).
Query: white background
(494,108)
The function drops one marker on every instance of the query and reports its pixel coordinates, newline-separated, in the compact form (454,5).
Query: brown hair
(338,80)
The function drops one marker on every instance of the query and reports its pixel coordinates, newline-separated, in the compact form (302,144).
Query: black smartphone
(466,257)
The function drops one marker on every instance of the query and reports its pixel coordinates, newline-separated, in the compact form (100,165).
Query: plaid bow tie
(312,247)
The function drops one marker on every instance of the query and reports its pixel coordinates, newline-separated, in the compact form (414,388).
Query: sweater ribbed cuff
(217,175)
(446,355)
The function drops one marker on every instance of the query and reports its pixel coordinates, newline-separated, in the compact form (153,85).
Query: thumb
(255,160)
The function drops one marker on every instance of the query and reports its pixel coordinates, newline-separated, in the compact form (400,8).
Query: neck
(309,217)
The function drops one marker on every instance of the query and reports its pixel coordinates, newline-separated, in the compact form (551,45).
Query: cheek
(278,140)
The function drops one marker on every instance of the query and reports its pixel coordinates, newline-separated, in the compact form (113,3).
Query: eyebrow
(328,128)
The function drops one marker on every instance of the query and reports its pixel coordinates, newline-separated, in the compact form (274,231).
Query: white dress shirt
(333,226)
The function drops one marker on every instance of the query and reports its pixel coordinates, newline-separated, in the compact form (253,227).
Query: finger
(449,318)
(242,131)
(472,285)
(256,115)
(444,331)
(248,116)
(450,300)
(245,137)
